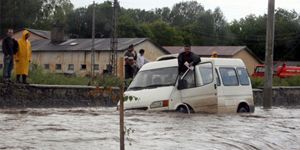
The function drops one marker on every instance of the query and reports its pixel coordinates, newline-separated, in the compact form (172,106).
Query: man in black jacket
(187,59)
(9,48)
(130,62)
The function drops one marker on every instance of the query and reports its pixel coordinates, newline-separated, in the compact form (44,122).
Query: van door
(231,92)
(200,92)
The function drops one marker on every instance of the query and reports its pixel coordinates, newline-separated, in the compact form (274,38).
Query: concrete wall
(282,96)
(151,50)
(44,96)
(76,58)
(248,59)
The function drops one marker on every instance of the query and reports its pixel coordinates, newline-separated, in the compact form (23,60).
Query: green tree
(38,14)
(80,21)
(18,14)
(164,34)
(185,13)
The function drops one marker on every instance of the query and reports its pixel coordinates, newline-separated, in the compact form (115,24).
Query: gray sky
(232,9)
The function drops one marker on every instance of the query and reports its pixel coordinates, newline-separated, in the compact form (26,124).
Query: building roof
(43,33)
(102,44)
(207,50)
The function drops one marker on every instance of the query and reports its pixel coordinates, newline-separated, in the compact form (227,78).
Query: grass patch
(40,76)
(291,81)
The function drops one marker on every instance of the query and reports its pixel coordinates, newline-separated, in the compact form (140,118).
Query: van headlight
(157,104)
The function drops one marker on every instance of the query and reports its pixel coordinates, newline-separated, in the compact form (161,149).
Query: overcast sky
(232,9)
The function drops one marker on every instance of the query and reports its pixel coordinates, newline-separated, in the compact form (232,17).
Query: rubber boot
(24,77)
(18,78)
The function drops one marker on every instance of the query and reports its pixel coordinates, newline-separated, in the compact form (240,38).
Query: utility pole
(267,103)
(113,63)
(93,46)
(121,111)
(114,39)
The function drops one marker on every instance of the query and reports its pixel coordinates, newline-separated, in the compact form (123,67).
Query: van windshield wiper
(136,88)
(158,85)
(149,86)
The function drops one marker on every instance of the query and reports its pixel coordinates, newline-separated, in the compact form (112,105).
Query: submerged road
(98,129)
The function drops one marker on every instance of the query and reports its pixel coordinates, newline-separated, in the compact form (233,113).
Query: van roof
(172,62)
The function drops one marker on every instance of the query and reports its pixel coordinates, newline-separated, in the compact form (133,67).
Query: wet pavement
(98,128)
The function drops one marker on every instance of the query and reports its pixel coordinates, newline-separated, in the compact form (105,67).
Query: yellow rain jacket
(23,56)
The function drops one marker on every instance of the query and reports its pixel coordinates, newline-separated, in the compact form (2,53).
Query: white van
(215,85)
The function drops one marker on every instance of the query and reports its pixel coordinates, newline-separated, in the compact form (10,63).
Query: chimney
(57,34)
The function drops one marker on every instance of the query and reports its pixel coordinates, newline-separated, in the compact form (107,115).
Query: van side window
(243,76)
(190,79)
(229,76)
(204,74)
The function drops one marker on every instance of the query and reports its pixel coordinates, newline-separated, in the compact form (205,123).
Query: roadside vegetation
(291,81)
(39,76)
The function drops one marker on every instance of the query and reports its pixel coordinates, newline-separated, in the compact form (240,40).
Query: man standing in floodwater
(187,59)
(130,62)
(23,57)
(9,48)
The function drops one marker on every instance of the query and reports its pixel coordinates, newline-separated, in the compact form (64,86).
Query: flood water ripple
(98,129)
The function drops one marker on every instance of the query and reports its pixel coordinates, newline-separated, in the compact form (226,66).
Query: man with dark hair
(140,59)
(130,62)
(187,59)
(9,48)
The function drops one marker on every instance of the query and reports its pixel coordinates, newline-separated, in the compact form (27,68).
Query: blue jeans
(8,66)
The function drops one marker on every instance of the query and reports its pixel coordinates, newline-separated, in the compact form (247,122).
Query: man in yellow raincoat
(23,57)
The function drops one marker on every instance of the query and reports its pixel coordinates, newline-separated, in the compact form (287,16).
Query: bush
(39,76)
(108,80)
(291,81)
(257,82)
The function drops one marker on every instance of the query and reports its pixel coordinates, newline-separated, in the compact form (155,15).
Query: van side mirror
(182,84)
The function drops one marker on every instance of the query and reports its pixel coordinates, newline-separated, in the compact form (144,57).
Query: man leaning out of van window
(187,59)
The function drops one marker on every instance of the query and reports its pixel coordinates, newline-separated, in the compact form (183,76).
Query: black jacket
(10,46)
(190,58)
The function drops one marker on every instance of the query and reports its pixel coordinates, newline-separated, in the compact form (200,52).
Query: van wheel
(243,109)
(182,109)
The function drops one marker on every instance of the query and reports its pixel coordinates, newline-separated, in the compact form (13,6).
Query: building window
(1,66)
(71,67)
(83,67)
(96,67)
(46,66)
(58,67)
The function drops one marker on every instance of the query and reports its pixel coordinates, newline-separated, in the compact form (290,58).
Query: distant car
(283,71)
(259,71)
(216,85)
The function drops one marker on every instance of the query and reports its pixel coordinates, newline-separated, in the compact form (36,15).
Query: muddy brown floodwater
(98,128)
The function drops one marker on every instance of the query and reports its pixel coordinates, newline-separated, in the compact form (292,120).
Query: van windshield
(154,78)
